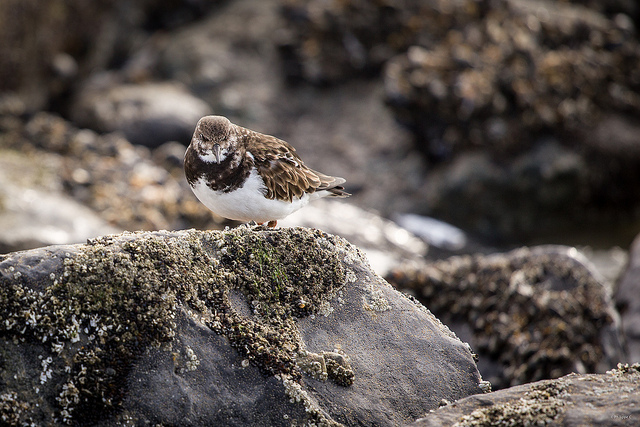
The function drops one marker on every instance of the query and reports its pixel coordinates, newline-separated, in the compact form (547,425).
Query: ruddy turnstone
(248,176)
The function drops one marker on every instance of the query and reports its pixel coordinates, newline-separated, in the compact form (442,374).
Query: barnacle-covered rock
(249,326)
(609,399)
(513,71)
(530,314)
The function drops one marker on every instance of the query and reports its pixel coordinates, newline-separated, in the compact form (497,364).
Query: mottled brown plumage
(285,174)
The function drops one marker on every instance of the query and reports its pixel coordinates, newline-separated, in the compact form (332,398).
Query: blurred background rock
(510,122)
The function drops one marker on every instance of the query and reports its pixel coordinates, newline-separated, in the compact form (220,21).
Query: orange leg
(271,224)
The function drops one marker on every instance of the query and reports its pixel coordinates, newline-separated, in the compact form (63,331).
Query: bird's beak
(216,152)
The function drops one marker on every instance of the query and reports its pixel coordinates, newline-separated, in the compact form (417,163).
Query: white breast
(248,202)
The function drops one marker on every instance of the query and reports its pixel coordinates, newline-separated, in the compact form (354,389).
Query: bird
(244,175)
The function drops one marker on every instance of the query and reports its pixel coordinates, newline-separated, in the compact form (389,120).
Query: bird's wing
(284,173)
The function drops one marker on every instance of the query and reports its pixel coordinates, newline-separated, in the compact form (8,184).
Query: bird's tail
(330,186)
(337,191)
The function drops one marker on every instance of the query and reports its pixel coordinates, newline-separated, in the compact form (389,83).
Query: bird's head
(213,138)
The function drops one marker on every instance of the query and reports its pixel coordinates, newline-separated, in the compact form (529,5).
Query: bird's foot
(270,224)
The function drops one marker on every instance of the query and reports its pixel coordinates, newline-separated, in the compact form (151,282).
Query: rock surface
(244,326)
(611,399)
(544,191)
(530,314)
(627,299)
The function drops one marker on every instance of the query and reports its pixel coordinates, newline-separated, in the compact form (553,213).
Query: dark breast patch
(219,177)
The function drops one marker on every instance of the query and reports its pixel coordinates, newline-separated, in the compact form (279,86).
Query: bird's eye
(202,137)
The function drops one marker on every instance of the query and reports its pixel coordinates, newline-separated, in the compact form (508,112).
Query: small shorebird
(248,176)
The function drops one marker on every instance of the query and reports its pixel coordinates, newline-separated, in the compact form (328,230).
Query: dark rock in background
(45,48)
(508,79)
(530,314)
(541,192)
(513,71)
(228,59)
(147,114)
(329,42)
(611,399)
(249,326)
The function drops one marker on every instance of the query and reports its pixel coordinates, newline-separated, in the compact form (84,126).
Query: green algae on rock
(113,298)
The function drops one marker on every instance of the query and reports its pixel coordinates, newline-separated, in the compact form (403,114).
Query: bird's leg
(270,224)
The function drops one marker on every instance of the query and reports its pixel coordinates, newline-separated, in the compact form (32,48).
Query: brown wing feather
(285,174)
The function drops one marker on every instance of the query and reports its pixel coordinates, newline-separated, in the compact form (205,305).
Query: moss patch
(117,296)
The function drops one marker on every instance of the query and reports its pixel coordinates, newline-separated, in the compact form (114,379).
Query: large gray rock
(249,326)
(611,399)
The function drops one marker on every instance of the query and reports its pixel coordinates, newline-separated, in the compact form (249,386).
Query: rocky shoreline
(274,327)
(511,124)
